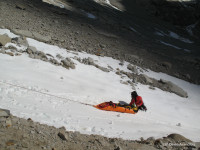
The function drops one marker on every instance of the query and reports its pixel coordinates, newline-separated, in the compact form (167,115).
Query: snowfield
(66,90)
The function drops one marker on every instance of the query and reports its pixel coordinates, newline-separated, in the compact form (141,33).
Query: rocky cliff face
(181,13)
(178,13)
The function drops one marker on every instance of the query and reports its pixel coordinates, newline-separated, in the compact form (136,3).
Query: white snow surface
(7,32)
(57,3)
(108,3)
(90,85)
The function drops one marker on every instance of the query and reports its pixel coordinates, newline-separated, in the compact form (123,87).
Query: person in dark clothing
(137,100)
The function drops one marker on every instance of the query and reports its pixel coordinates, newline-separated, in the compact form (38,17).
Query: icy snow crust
(173,35)
(92,86)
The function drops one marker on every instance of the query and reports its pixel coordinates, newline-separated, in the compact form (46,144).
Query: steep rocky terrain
(110,32)
(21,134)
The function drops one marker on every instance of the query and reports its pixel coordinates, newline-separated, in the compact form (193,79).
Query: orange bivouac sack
(110,106)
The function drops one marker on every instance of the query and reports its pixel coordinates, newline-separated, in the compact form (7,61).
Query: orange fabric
(115,108)
(138,102)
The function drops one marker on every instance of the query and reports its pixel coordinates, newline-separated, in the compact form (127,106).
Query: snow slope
(90,85)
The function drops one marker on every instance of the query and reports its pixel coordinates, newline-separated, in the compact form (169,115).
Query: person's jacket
(138,102)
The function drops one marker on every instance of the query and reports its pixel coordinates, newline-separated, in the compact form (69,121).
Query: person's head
(134,94)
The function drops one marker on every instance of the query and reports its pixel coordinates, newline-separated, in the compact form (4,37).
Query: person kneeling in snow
(137,100)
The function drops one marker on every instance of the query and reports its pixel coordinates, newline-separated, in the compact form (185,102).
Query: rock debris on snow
(4,39)
(30,34)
